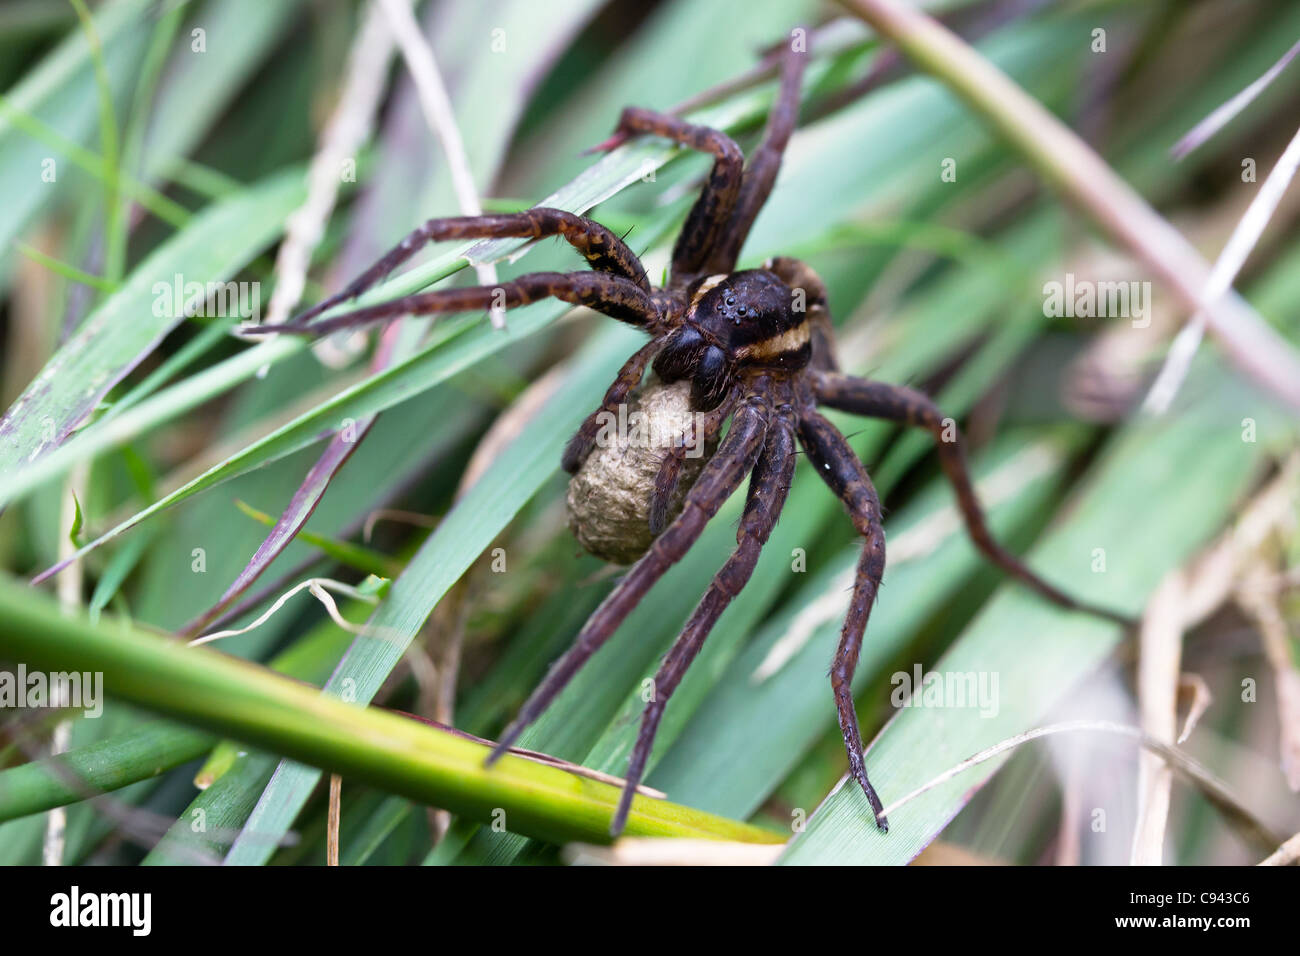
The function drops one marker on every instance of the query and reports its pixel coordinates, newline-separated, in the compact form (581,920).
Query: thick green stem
(146,751)
(225,695)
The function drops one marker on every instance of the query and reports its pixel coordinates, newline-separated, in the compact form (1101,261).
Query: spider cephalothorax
(734,323)
(755,347)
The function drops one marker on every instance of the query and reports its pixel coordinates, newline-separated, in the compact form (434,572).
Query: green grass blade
(143,752)
(1200,465)
(226,695)
(60,92)
(464,533)
(98,768)
(129,325)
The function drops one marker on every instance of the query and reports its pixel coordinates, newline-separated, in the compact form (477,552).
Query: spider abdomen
(610,495)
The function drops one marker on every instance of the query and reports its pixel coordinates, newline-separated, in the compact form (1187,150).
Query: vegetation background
(145,142)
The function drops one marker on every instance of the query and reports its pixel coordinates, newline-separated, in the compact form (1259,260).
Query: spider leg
(628,378)
(712,210)
(670,470)
(612,295)
(768,488)
(720,477)
(764,164)
(603,250)
(840,468)
(897,403)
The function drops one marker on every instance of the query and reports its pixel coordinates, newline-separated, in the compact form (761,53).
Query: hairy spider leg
(841,469)
(906,406)
(712,210)
(705,428)
(764,164)
(769,486)
(604,251)
(628,378)
(612,295)
(721,476)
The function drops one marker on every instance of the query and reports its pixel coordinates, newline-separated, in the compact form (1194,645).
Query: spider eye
(731,300)
(741,310)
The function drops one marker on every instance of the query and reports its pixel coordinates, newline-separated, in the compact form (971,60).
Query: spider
(756,348)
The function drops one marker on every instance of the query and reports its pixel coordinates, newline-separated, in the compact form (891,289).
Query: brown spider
(756,348)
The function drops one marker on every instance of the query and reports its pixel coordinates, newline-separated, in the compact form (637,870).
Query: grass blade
(1071,166)
(1037,651)
(129,324)
(226,695)
(463,534)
